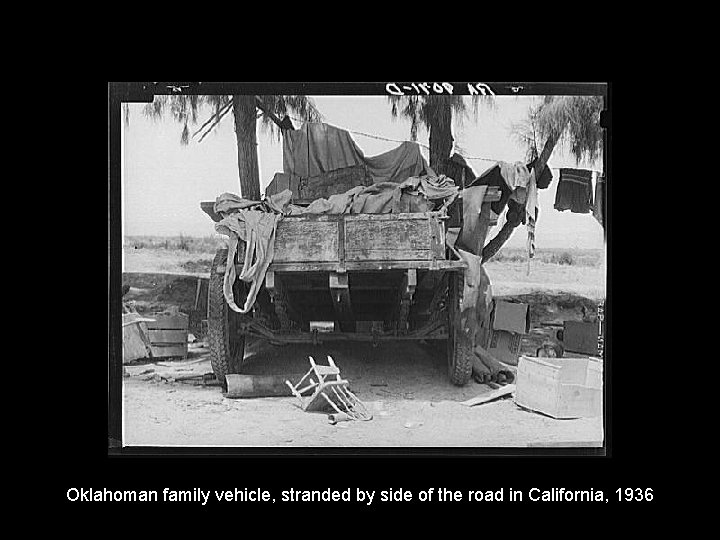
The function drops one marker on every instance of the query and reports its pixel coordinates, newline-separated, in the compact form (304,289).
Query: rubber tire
(459,347)
(227,348)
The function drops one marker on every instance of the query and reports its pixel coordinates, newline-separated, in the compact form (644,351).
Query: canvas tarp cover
(318,148)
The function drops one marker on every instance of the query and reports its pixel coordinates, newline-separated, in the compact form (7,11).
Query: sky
(163,181)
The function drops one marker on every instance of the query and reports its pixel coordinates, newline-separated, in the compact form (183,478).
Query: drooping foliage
(436,113)
(573,120)
(246,110)
(185,111)
(425,109)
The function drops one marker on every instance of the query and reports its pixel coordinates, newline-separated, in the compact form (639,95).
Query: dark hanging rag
(599,208)
(542,181)
(574,191)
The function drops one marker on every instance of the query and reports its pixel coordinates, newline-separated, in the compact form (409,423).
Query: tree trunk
(245,133)
(494,245)
(441,138)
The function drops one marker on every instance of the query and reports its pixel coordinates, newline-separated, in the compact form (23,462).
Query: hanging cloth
(524,186)
(318,148)
(599,206)
(574,191)
(257,230)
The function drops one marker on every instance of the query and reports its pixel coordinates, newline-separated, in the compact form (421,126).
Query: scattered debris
(328,394)
(189,377)
(550,349)
(499,371)
(338,417)
(156,377)
(501,392)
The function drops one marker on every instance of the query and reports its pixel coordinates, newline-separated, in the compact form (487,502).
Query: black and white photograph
(364,265)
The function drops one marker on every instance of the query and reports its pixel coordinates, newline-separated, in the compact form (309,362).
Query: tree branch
(227,110)
(219,114)
(494,245)
(267,112)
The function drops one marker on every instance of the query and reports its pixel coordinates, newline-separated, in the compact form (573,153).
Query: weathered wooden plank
(388,240)
(312,217)
(167,336)
(134,346)
(384,254)
(159,351)
(299,241)
(408,234)
(369,266)
(412,216)
(490,396)
(168,322)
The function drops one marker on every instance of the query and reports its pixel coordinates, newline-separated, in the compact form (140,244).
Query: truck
(351,277)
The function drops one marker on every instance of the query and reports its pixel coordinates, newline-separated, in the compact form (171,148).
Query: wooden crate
(581,337)
(560,387)
(168,335)
(135,342)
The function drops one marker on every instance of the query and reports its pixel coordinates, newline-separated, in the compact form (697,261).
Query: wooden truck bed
(342,242)
(361,242)
(366,277)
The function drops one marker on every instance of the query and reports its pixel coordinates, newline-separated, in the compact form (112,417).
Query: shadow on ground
(390,371)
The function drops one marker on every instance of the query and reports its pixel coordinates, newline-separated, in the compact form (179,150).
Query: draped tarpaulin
(317,148)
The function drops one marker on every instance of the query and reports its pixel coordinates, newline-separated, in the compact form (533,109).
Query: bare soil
(405,385)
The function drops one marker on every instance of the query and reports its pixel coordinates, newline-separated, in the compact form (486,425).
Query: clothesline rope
(416,142)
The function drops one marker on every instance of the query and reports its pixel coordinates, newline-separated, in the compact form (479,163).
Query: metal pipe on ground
(250,386)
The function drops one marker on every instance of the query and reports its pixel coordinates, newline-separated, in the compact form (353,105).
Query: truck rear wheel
(459,346)
(227,344)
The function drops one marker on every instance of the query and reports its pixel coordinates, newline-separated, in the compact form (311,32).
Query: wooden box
(168,335)
(560,387)
(509,321)
(504,345)
(135,341)
(581,337)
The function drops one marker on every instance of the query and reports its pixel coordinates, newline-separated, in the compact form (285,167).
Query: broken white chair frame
(354,408)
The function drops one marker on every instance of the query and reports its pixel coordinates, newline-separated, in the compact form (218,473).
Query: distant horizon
(220,236)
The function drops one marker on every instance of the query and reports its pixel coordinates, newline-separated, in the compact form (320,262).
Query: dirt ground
(405,386)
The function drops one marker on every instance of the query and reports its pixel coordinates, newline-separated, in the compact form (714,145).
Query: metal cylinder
(249,386)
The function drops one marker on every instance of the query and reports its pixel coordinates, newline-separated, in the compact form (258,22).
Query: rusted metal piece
(278,295)
(407,290)
(251,386)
